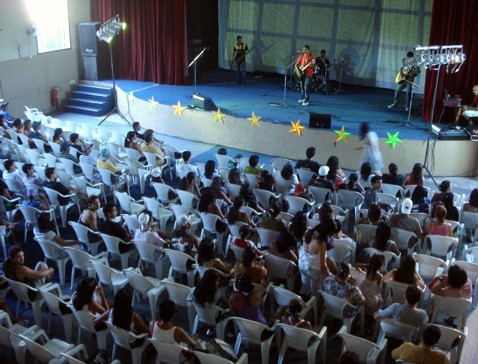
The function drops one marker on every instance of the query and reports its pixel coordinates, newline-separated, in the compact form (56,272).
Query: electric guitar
(239,60)
(300,70)
(407,73)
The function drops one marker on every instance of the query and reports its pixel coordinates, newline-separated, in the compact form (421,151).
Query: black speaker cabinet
(204,102)
(320,121)
(95,53)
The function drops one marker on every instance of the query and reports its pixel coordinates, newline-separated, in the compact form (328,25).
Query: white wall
(27,77)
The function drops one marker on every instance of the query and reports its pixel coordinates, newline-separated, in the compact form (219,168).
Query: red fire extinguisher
(54,97)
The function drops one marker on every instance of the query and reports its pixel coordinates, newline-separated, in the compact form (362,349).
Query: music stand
(194,63)
(341,65)
(284,102)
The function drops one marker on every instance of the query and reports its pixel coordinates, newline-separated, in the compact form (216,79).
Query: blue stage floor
(259,95)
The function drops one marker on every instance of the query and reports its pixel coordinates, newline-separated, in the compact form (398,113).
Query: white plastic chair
(367,351)
(233,190)
(184,210)
(168,353)
(128,204)
(350,200)
(443,246)
(429,267)
(251,332)
(86,323)
(252,180)
(80,260)
(138,171)
(133,154)
(297,203)
(9,213)
(91,172)
(146,287)
(53,196)
(69,167)
(387,255)
(387,199)
(55,253)
(263,197)
(451,341)
(403,238)
(266,236)
(179,264)
(124,338)
(109,277)
(392,189)
(334,306)
(162,191)
(303,340)
(211,358)
(160,213)
(364,233)
(59,307)
(340,253)
(282,297)
(82,232)
(470,223)
(82,186)
(187,198)
(305,176)
(21,290)
(279,163)
(223,160)
(397,330)
(112,246)
(106,178)
(151,160)
(209,221)
(180,295)
(320,194)
(206,315)
(147,253)
(282,269)
(30,215)
(451,306)
(395,293)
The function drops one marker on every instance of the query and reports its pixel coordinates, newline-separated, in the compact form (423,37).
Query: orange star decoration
(153,104)
(254,120)
(178,109)
(341,134)
(218,115)
(296,128)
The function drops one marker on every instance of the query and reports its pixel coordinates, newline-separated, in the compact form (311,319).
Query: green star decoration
(393,139)
(341,134)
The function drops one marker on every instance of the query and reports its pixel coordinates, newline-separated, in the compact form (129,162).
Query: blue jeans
(305,86)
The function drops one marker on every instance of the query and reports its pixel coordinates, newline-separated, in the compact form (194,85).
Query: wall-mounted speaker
(96,65)
(320,121)
(204,102)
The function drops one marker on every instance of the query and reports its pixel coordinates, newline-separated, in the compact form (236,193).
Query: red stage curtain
(153,46)
(453,22)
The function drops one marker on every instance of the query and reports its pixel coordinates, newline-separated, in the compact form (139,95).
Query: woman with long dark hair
(451,210)
(336,174)
(406,273)
(90,297)
(416,176)
(381,240)
(207,202)
(207,290)
(472,204)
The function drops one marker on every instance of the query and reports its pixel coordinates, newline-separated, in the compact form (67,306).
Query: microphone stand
(194,63)
(413,85)
(283,103)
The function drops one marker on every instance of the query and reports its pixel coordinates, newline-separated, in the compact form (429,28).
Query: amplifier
(452,134)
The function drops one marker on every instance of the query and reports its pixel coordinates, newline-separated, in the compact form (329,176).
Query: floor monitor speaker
(320,121)
(204,102)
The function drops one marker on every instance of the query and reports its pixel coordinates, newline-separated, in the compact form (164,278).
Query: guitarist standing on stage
(304,70)
(239,58)
(404,78)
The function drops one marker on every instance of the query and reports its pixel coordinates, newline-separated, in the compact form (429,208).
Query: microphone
(298,52)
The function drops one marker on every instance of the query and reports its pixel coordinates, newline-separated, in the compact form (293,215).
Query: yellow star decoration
(393,139)
(218,115)
(341,134)
(296,128)
(178,109)
(254,120)
(153,104)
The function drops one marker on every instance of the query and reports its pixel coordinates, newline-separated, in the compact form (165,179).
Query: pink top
(439,230)
(463,292)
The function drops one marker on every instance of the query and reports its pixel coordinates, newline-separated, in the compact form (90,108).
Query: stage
(263,95)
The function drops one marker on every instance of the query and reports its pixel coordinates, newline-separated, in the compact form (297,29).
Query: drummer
(322,62)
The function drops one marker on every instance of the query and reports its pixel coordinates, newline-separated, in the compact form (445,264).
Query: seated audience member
(137,130)
(472,204)
(242,241)
(470,110)
(416,176)
(454,284)
(185,166)
(342,285)
(207,203)
(131,141)
(234,176)
(298,225)
(219,190)
(58,136)
(285,246)
(374,215)
(164,331)
(210,170)
(189,183)
(14,268)
(287,174)
(122,314)
(407,312)
(335,174)
(89,297)
(206,257)
(421,202)
(249,198)
(371,286)
(253,167)
(290,315)
(444,187)
(148,146)
(30,178)
(251,267)
(186,240)
(340,237)
(392,177)
(4,125)
(113,228)
(207,290)
(406,273)
(381,241)
(308,163)
(76,142)
(3,110)
(439,226)
(354,185)
(87,157)
(89,216)
(271,220)
(235,214)
(451,210)
(424,352)
(371,196)
(46,231)
(12,174)
(365,174)
(51,182)
(33,200)
(404,221)
(266,181)
(322,180)
(36,134)
(18,128)
(246,302)
(349,357)
(149,233)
